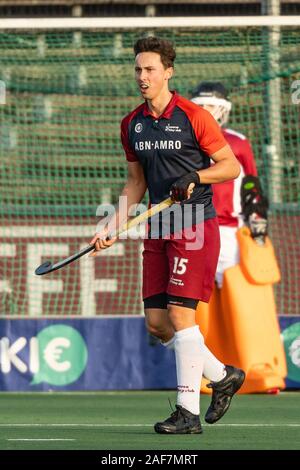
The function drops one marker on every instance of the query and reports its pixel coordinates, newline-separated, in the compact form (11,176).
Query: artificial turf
(124,421)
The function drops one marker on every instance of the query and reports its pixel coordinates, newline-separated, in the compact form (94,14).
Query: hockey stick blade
(48,267)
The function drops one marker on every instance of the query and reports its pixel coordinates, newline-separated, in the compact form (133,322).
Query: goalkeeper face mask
(219,108)
(212,96)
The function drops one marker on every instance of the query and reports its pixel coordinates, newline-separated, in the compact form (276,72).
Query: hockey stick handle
(143,216)
(48,267)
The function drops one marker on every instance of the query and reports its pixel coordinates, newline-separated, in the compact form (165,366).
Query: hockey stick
(49,267)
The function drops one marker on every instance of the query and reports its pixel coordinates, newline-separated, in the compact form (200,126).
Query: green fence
(61,156)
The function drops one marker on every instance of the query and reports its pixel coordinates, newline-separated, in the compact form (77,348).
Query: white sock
(213,369)
(189,367)
(169,344)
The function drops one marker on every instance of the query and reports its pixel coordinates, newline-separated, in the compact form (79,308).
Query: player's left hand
(183,187)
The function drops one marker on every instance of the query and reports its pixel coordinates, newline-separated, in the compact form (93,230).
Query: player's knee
(156,329)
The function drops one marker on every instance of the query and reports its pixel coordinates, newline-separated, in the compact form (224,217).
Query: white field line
(41,440)
(105,425)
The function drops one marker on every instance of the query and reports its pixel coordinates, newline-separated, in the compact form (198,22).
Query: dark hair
(162,47)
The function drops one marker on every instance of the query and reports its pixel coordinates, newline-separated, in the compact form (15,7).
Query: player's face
(151,75)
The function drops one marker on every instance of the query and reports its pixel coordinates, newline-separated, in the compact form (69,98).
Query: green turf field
(124,420)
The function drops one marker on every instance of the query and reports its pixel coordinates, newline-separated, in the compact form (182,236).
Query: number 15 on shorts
(179,265)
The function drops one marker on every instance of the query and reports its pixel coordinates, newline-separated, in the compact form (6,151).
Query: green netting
(66,93)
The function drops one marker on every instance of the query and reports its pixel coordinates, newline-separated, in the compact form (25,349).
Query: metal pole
(272,101)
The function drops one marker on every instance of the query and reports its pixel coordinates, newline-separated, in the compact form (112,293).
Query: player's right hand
(101,242)
(182,188)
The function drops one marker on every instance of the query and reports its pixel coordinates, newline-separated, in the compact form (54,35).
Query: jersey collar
(169,109)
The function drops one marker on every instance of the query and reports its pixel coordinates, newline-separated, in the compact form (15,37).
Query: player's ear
(169,73)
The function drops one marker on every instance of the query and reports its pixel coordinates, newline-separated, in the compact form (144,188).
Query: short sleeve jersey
(181,140)
(226,196)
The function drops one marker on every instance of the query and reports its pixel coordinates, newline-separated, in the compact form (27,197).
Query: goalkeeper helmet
(212,96)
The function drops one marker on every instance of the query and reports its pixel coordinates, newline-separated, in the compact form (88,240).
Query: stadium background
(65,94)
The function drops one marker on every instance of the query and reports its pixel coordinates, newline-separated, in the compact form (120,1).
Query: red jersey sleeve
(207,130)
(242,150)
(246,158)
(129,152)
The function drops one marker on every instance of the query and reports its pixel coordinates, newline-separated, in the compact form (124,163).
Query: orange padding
(258,263)
(240,327)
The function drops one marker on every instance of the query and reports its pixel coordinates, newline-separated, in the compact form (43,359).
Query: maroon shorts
(183,267)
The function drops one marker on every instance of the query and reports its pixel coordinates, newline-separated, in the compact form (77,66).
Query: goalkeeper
(240,200)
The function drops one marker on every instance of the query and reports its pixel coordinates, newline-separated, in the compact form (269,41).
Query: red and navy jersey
(178,142)
(226,196)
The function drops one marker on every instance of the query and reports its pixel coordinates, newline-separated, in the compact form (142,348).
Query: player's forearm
(131,194)
(219,172)
(223,170)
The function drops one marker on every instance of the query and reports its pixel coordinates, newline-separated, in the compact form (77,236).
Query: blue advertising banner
(83,354)
(290,331)
(100,354)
